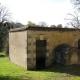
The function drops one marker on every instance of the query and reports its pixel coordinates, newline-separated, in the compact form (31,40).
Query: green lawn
(10,71)
(2,54)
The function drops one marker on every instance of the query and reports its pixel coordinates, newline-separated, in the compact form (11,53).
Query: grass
(10,71)
(2,54)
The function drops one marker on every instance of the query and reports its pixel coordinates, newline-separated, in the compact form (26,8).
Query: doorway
(40,54)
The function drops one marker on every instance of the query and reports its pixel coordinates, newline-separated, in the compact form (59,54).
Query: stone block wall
(31,50)
(73,56)
(23,45)
(53,38)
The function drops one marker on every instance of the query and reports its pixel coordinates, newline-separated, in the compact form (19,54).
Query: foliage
(66,27)
(59,26)
(2,54)
(4,18)
(17,24)
(53,26)
(30,24)
(42,24)
(6,46)
(3,35)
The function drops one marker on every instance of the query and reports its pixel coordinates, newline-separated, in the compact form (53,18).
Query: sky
(49,11)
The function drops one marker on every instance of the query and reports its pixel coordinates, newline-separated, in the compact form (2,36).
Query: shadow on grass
(8,78)
(15,78)
(2,55)
(72,69)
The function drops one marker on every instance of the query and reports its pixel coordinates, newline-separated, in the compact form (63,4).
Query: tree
(76,4)
(30,24)
(42,24)
(53,26)
(17,24)
(4,25)
(66,27)
(73,20)
(4,14)
(59,26)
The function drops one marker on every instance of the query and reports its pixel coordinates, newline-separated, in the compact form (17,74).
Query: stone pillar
(47,53)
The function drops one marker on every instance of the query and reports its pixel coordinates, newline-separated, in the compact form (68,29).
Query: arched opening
(60,53)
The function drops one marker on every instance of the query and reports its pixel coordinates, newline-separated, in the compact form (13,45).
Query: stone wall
(31,50)
(53,38)
(18,48)
(22,45)
(73,56)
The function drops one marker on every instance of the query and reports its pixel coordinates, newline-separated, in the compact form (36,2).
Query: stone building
(33,47)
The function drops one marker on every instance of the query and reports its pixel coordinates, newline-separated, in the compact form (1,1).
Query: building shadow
(59,68)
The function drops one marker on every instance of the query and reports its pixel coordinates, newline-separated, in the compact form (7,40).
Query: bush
(6,47)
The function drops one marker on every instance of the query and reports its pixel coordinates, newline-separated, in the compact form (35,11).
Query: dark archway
(60,51)
(40,54)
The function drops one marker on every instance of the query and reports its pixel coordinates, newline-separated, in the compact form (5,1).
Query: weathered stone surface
(23,43)
(18,48)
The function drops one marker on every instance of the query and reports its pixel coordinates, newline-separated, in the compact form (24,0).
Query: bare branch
(73,19)
(76,4)
(4,14)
